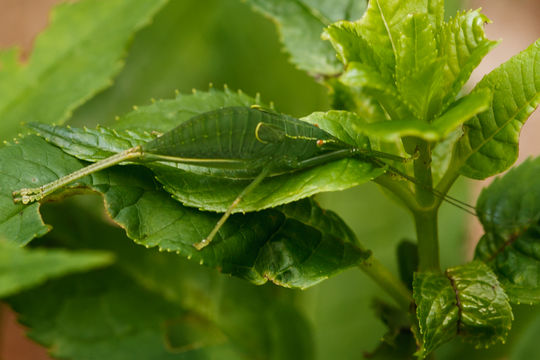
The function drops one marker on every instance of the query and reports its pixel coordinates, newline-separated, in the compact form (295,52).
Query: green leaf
(270,245)
(467,301)
(141,125)
(490,142)
(168,307)
(430,77)
(163,115)
(407,258)
(216,194)
(24,268)
(211,192)
(301,23)
(463,45)
(341,125)
(419,69)
(27,165)
(351,47)
(420,63)
(509,210)
(107,328)
(77,56)
(462,110)
(92,144)
(353,129)
(384,21)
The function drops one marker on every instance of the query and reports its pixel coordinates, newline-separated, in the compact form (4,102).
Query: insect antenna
(470,209)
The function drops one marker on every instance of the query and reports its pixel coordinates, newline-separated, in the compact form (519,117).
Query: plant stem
(426,217)
(422,173)
(427,240)
(403,193)
(385,279)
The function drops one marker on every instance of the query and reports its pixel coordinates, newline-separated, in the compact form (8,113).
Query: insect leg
(264,173)
(30,195)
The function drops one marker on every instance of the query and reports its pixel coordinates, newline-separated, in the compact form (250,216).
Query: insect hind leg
(264,173)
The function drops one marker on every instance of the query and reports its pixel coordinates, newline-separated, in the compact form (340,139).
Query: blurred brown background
(515,22)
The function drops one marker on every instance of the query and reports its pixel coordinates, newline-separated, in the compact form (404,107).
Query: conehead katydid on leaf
(237,143)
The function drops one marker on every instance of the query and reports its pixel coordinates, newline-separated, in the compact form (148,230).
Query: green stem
(399,190)
(422,174)
(427,240)
(426,217)
(385,279)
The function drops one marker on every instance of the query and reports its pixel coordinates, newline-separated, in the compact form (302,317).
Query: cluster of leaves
(396,83)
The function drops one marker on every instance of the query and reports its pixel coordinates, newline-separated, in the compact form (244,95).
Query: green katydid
(234,143)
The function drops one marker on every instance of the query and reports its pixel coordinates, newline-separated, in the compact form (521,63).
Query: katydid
(234,143)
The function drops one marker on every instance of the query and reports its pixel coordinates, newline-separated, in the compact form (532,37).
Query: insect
(234,143)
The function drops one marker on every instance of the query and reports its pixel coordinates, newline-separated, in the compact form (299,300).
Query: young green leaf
(72,60)
(270,245)
(509,210)
(301,24)
(384,21)
(352,129)
(467,301)
(420,63)
(22,269)
(463,45)
(419,72)
(341,125)
(490,142)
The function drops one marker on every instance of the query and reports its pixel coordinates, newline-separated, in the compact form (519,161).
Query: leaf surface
(354,130)
(290,248)
(490,142)
(463,45)
(467,301)
(24,268)
(211,192)
(509,210)
(416,70)
(301,23)
(165,114)
(73,59)
(182,310)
